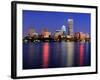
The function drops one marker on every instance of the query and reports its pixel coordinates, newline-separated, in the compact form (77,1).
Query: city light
(63,34)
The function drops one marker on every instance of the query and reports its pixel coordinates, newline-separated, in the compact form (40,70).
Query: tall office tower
(70,27)
(63,29)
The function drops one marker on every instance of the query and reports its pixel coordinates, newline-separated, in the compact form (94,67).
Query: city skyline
(54,21)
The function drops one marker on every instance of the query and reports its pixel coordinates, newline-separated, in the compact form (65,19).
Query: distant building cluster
(59,35)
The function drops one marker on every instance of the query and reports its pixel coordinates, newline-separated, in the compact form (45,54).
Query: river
(39,55)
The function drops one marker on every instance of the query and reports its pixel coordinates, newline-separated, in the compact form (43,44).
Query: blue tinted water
(56,54)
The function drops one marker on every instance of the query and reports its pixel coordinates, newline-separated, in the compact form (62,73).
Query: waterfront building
(69,38)
(82,36)
(57,35)
(87,37)
(30,35)
(31,32)
(63,29)
(45,33)
(79,36)
(70,27)
(58,32)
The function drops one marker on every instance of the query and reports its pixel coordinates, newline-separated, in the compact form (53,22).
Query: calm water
(56,54)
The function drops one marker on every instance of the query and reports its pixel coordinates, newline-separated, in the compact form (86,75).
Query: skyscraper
(63,29)
(70,27)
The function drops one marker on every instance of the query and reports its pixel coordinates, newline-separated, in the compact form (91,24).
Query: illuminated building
(80,36)
(87,37)
(70,27)
(45,33)
(57,35)
(58,32)
(69,38)
(31,36)
(77,36)
(31,32)
(63,29)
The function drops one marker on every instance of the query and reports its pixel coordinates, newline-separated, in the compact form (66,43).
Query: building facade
(70,27)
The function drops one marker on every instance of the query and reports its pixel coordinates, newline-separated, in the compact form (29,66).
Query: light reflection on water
(81,54)
(45,55)
(56,54)
(70,53)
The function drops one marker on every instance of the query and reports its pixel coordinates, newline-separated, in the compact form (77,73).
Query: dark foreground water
(56,54)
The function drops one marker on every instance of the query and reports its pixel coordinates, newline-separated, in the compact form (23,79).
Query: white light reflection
(70,53)
(63,54)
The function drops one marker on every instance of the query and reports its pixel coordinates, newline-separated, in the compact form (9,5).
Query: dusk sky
(54,21)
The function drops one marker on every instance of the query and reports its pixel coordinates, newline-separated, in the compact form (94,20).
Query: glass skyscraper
(70,27)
